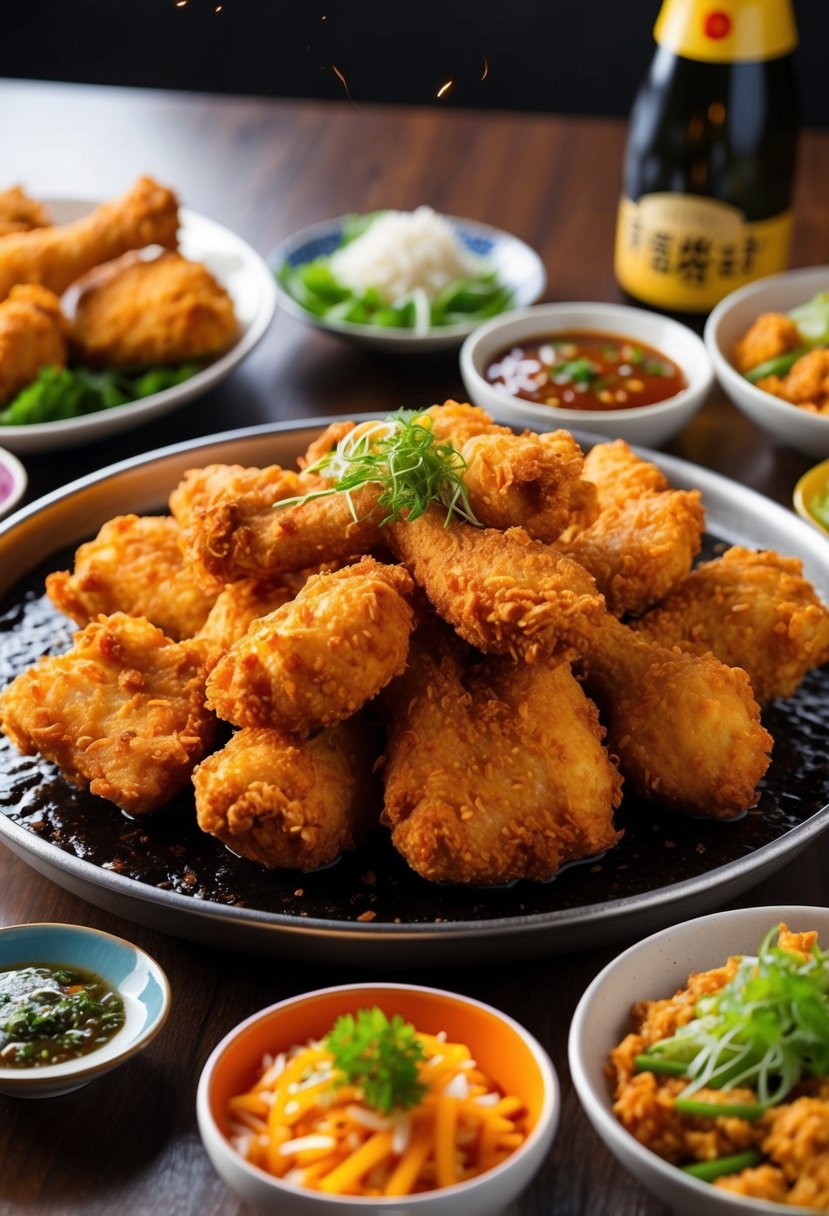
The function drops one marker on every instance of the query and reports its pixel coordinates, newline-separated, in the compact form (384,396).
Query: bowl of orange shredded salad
(393,1097)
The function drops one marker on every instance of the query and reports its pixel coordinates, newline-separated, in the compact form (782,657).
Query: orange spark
(342,79)
(181,3)
(444,88)
(486,68)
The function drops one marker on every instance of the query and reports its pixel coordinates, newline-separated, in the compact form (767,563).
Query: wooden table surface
(265,168)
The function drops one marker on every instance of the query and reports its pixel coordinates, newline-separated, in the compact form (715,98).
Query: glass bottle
(709,167)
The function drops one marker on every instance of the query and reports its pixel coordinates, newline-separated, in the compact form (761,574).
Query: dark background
(567,56)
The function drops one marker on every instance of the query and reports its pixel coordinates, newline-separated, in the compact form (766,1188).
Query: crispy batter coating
(753,610)
(122,713)
(244,539)
(685,727)
(289,804)
(225,483)
(20,213)
(806,385)
(135,565)
(497,776)
(237,606)
(619,474)
(456,421)
(33,335)
(135,313)
(501,591)
(55,257)
(639,551)
(526,481)
(772,334)
(317,659)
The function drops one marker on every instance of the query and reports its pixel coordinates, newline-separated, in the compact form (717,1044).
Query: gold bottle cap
(727,31)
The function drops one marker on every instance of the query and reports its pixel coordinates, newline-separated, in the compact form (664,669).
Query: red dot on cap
(717,24)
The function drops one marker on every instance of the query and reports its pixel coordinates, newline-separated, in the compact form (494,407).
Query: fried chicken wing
(135,565)
(501,591)
(134,313)
(286,803)
(753,610)
(639,551)
(317,659)
(33,335)
(55,257)
(619,474)
(20,213)
(497,774)
(122,713)
(685,727)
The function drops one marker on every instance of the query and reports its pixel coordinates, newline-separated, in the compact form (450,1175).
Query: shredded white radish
(306,1144)
(403,253)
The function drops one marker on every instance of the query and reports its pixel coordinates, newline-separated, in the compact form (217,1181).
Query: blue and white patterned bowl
(517,265)
(137,978)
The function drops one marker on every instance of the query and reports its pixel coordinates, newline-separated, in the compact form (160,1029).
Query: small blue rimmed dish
(516,265)
(130,972)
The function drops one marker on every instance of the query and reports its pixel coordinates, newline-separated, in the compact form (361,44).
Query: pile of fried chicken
(520,670)
(132,311)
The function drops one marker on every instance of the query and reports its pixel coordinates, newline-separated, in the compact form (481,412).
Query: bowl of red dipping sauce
(617,371)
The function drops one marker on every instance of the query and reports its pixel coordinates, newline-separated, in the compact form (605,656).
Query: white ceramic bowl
(656,968)
(786,423)
(503,1049)
(649,425)
(518,267)
(13,481)
(137,978)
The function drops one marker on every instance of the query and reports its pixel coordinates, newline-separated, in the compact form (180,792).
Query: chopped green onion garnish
(403,456)
(707,1171)
(651,1063)
(719,1110)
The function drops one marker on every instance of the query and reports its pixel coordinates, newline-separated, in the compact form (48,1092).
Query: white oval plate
(518,267)
(251,286)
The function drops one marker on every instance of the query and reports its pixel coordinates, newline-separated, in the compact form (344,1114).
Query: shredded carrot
(301,1122)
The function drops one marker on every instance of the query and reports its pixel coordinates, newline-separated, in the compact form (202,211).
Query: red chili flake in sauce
(586,371)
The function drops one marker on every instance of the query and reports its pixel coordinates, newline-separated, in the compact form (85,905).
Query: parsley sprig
(766,1028)
(404,457)
(379,1055)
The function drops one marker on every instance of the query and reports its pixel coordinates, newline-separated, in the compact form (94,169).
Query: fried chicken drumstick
(752,610)
(284,803)
(320,657)
(496,774)
(685,727)
(501,591)
(55,257)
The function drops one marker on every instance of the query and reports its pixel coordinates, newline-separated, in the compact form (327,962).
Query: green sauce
(49,1014)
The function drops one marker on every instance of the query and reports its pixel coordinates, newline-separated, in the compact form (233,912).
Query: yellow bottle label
(684,253)
(727,31)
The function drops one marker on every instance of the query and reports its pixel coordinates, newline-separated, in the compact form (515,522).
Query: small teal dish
(139,980)
(517,266)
